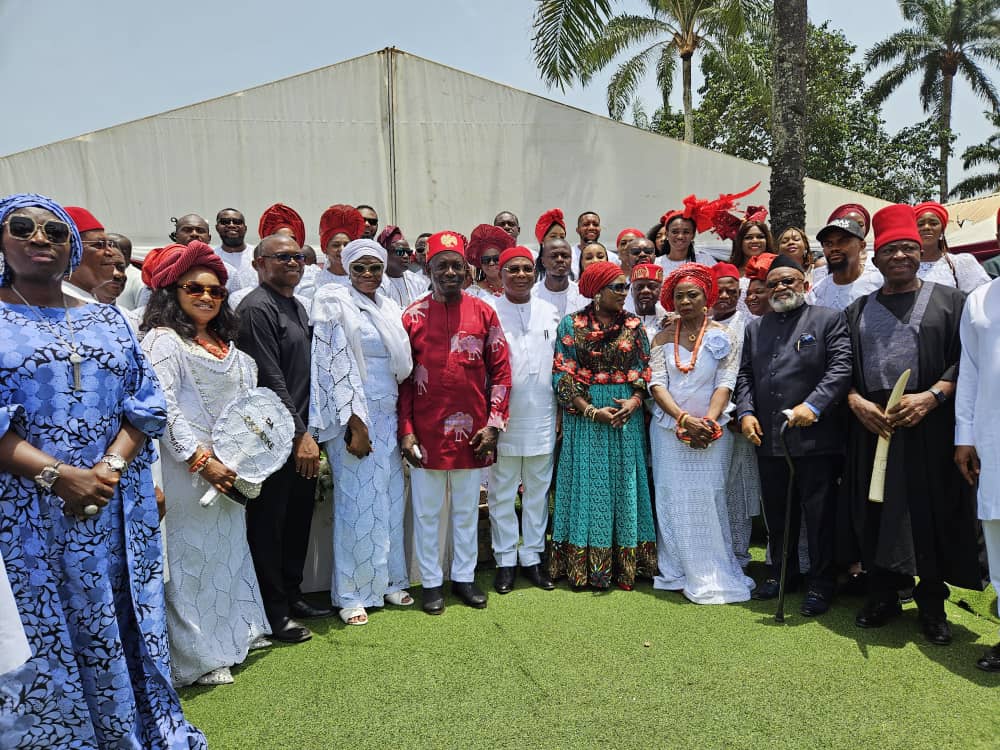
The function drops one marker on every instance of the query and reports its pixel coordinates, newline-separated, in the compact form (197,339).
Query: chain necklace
(75,359)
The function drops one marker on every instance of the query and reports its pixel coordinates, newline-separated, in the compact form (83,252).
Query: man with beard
(554,284)
(190,227)
(231,226)
(588,229)
(926,524)
(371,221)
(647,279)
(508,222)
(797,358)
(851,274)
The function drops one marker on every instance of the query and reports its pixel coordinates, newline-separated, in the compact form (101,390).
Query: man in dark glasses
(371,221)
(399,283)
(97,249)
(231,226)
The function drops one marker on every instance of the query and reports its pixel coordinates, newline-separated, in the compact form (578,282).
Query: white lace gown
(214,609)
(369,560)
(693,539)
(959,270)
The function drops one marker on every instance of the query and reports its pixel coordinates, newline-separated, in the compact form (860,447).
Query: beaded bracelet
(198,465)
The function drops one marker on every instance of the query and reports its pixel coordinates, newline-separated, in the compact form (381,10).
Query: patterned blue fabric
(26,200)
(90,593)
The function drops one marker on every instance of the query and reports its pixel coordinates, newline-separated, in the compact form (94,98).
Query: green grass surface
(643,669)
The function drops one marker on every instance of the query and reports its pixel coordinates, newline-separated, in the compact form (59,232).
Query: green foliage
(982,154)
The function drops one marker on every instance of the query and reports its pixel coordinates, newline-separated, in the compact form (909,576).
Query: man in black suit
(797,358)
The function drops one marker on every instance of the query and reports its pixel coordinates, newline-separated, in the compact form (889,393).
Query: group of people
(657,398)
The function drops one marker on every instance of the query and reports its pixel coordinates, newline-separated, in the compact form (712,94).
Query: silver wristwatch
(48,476)
(115,462)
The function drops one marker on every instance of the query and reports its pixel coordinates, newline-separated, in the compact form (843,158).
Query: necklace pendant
(75,360)
(692,338)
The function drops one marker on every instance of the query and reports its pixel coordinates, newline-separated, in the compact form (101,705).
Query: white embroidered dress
(214,609)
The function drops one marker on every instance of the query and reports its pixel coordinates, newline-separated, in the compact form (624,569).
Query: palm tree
(987,153)
(788,115)
(574,39)
(948,38)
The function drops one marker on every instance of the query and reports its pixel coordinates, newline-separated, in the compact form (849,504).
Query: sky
(112,61)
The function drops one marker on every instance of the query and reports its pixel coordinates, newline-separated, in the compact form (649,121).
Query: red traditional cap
(387,236)
(631,230)
(922,208)
(484,237)
(546,220)
(515,252)
(896,222)
(598,275)
(280,216)
(165,265)
(647,271)
(340,218)
(445,242)
(84,220)
(851,208)
(725,271)
(693,273)
(758,266)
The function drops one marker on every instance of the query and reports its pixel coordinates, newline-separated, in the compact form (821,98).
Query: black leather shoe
(305,611)
(469,593)
(766,590)
(504,581)
(990,661)
(537,576)
(289,631)
(433,600)
(814,604)
(876,614)
(936,630)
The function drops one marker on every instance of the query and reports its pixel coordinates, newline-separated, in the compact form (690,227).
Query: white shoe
(400,598)
(220,676)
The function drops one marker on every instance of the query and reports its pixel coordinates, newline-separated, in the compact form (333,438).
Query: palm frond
(978,184)
(978,81)
(621,33)
(624,82)
(561,28)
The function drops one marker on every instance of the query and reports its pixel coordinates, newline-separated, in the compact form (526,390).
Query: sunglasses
(371,222)
(25,227)
(619,288)
(229,222)
(285,257)
(360,269)
(194,289)
(489,260)
(788,281)
(640,251)
(401,252)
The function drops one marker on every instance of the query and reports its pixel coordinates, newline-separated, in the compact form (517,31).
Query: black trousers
(814,498)
(278,525)
(929,594)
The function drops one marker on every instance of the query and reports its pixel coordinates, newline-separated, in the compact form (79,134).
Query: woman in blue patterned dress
(78,519)
(603,522)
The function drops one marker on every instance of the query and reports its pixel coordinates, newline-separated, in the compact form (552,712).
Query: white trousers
(429,487)
(991,533)
(535,474)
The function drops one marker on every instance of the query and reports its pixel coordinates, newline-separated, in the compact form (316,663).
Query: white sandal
(220,676)
(349,613)
(400,598)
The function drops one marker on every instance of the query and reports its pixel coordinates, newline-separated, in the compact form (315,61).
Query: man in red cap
(451,410)
(101,268)
(925,524)
(647,279)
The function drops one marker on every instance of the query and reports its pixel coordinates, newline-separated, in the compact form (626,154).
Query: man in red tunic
(451,410)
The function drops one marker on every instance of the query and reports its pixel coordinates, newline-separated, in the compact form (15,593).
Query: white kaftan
(958,270)
(214,609)
(568,301)
(14,648)
(405,289)
(828,293)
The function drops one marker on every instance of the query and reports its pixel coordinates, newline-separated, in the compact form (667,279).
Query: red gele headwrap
(693,273)
(851,208)
(445,242)
(387,236)
(280,216)
(515,252)
(649,271)
(630,230)
(725,271)
(598,275)
(337,219)
(84,220)
(896,222)
(921,208)
(482,239)
(758,266)
(714,215)
(546,220)
(165,265)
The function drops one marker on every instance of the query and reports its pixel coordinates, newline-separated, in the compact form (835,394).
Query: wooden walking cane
(876,490)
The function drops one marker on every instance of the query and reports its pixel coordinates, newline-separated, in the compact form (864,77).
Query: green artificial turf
(643,669)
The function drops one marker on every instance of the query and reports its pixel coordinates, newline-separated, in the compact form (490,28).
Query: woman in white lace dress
(360,354)
(959,270)
(214,610)
(694,362)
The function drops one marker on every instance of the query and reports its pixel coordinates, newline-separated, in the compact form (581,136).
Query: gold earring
(597,303)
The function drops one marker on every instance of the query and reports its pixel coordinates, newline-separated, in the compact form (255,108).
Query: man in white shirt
(399,283)
(509,223)
(526,448)
(851,273)
(97,251)
(555,285)
(588,229)
(231,226)
(644,301)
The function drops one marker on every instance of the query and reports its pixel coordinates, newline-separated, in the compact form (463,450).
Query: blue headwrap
(28,200)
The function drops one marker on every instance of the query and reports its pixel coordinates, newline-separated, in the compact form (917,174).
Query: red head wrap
(896,222)
(691,273)
(724,271)
(758,266)
(84,220)
(598,275)
(338,219)
(165,265)
(851,208)
(280,216)
(649,271)
(515,252)
(546,220)
(387,236)
(483,238)
(921,208)
(445,242)
(631,230)
(998,217)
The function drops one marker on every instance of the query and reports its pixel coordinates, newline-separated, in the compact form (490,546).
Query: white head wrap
(359,248)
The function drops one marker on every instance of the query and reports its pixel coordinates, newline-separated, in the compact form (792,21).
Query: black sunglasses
(25,227)
(402,252)
(360,269)
(371,222)
(285,257)
(620,288)
(230,222)
(640,251)
(788,281)
(194,289)
(489,260)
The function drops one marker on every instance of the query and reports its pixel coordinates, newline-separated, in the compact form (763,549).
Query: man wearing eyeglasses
(275,332)
(97,251)
(399,283)
(798,358)
(371,221)
(231,226)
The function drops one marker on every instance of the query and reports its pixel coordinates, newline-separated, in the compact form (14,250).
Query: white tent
(429,146)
